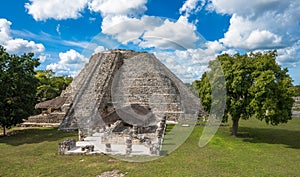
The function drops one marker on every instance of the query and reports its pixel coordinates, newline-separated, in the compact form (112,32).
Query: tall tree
(256,86)
(18,87)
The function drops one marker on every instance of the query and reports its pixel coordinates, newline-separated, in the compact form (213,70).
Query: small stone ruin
(52,113)
(66,145)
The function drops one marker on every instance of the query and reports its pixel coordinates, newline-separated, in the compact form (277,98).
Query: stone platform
(100,148)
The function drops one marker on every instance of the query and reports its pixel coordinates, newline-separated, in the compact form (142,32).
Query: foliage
(296,90)
(50,86)
(261,151)
(256,86)
(18,87)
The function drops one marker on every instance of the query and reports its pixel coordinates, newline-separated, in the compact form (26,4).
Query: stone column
(154,149)
(80,135)
(135,130)
(128,146)
(108,147)
(90,132)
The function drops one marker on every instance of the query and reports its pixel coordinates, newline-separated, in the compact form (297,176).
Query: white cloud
(118,7)
(23,46)
(43,57)
(191,6)
(260,24)
(72,57)
(126,29)
(70,63)
(262,38)
(124,23)
(190,64)
(99,49)
(56,9)
(247,8)
(65,9)
(4,30)
(18,45)
(171,35)
(244,34)
(289,56)
(124,20)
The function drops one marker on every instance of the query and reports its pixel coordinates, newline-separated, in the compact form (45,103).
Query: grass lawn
(261,150)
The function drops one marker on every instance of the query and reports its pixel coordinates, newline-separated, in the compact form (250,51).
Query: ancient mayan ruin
(124,98)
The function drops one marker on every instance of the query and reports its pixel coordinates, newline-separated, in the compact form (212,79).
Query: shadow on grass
(35,135)
(291,138)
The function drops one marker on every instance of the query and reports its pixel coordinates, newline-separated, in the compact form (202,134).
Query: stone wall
(55,117)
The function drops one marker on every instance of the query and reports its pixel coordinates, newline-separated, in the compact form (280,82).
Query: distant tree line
(49,85)
(296,90)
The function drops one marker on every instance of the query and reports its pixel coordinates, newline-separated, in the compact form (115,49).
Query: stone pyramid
(125,85)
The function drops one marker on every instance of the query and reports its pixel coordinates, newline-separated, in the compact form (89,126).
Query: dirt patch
(114,173)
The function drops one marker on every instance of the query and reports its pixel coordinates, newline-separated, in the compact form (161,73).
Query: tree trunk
(4,132)
(235,126)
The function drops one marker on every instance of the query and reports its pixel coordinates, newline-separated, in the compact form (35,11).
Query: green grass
(261,150)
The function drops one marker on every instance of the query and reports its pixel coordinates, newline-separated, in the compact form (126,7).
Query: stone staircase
(88,91)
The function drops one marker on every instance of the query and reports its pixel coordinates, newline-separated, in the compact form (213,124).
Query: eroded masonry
(124,98)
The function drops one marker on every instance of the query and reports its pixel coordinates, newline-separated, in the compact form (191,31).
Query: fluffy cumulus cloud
(118,7)
(252,8)
(4,30)
(244,34)
(150,31)
(99,49)
(20,45)
(191,6)
(259,38)
(65,9)
(176,35)
(43,57)
(260,24)
(190,64)
(17,45)
(70,63)
(56,9)
(289,56)
(125,25)
(126,29)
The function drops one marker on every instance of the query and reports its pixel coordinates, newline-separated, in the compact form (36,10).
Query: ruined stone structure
(52,114)
(116,79)
(129,97)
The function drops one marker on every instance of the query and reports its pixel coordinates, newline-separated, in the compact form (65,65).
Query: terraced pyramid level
(113,80)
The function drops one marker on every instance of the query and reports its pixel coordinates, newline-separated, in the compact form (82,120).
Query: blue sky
(184,35)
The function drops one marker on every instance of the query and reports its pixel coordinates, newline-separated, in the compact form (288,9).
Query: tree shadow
(35,135)
(290,138)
